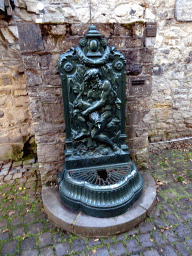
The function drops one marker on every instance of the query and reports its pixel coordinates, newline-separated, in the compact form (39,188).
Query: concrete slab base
(83,225)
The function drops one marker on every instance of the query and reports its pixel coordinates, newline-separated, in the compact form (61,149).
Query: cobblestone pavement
(25,229)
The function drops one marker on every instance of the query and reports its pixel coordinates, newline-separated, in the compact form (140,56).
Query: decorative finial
(93,32)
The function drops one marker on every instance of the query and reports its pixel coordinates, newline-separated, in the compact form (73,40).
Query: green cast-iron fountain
(98,176)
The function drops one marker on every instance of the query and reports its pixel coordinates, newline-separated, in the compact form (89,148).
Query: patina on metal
(98,176)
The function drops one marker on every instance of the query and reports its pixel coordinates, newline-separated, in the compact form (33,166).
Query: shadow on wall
(29,150)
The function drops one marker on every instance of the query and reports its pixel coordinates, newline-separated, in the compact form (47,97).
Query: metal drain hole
(102,174)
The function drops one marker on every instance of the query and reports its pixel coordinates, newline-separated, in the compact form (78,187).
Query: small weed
(175,172)
(179,179)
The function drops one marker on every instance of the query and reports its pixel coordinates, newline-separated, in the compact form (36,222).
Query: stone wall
(171,112)
(15,115)
(41,45)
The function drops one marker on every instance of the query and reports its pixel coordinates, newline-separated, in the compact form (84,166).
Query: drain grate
(102,177)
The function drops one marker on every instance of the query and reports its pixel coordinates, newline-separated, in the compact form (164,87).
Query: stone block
(4,236)
(21,101)
(65,44)
(122,30)
(158,239)
(53,80)
(28,243)
(146,240)
(105,29)
(138,143)
(50,44)
(62,249)
(138,29)
(134,131)
(9,248)
(53,113)
(78,245)
(49,129)
(8,35)
(133,42)
(48,251)
(30,38)
(117,42)
(140,89)
(131,55)
(19,232)
(6,79)
(132,246)
(5,151)
(49,61)
(33,78)
(182,231)
(5,92)
(35,228)
(36,110)
(182,249)
(168,250)
(50,152)
(150,41)
(51,95)
(79,29)
(17,176)
(59,30)
(183,10)
(117,249)
(146,55)
(135,117)
(138,104)
(52,137)
(29,217)
(20,92)
(45,239)
(146,227)
(31,61)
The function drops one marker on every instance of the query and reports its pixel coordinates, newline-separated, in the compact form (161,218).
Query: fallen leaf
(95,240)
(94,251)
(11,213)
(5,230)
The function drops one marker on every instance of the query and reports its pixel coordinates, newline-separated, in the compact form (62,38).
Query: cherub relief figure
(95,109)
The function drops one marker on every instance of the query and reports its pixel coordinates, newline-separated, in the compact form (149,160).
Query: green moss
(131,24)
(17,153)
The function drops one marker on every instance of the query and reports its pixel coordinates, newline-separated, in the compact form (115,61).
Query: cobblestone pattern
(25,229)
(44,86)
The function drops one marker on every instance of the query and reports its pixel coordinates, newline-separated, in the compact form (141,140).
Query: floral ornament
(118,65)
(103,42)
(68,67)
(83,42)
